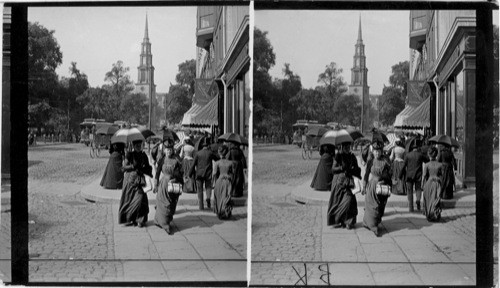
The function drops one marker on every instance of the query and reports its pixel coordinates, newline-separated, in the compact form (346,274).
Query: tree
(75,86)
(390,104)
(187,75)
(332,81)
(135,108)
(400,75)
(264,91)
(119,79)
(95,102)
(348,110)
(177,103)
(290,86)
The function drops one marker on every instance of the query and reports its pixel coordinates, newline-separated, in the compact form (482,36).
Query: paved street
(71,239)
(289,238)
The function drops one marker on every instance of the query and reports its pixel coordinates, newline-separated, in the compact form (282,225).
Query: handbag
(189,185)
(384,190)
(175,188)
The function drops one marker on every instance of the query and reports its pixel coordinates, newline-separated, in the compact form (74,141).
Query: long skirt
(374,206)
(223,205)
(342,207)
(166,204)
(113,175)
(133,202)
(432,199)
(398,185)
(322,179)
(448,181)
(239,181)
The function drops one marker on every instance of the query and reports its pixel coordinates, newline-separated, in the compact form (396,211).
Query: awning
(420,117)
(188,116)
(401,117)
(207,116)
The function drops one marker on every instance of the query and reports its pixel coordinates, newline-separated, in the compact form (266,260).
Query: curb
(95,193)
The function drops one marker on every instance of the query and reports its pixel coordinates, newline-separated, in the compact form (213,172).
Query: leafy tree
(332,81)
(119,80)
(135,108)
(74,86)
(177,103)
(95,102)
(348,110)
(187,75)
(290,86)
(399,77)
(390,104)
(263,56)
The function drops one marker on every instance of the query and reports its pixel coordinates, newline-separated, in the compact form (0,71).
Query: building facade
(443,54)
(6,127)
(222,69)
(359,74)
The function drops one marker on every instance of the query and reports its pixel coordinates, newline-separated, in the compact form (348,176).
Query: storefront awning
(207,116)
(401,117)
(189,115)
(420,117)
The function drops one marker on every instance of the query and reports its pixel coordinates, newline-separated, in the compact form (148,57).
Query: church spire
(359,30)
(146,34)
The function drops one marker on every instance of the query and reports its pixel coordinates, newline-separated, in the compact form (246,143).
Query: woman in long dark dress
(432,173)
(134,206)
(378,171)
(223,172)
(235,154)
(448,179)
(342,207)
(187,163)
(322,179)
(113,175)
(169,171)
(397,158)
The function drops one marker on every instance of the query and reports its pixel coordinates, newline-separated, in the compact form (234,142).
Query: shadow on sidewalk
(411,223)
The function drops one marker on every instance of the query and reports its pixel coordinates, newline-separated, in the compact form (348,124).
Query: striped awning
(420,117)
(189,115)
(401,117)
(207,116)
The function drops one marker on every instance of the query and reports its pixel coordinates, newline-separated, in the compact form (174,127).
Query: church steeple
(360,39)
(146,33)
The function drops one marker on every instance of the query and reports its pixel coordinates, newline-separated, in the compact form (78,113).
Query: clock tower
(146,71)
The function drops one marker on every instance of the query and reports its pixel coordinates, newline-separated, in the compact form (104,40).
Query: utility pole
(362,110)
(150,104)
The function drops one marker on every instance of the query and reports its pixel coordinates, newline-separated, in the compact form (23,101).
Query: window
(206,21)
(418,23)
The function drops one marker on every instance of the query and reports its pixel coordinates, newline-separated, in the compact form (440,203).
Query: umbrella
(335,137)
(233,137)
(169,134)
(444,139)
(316,131)
(378,136)
(127,135)
(355,134)
(107,130)
(146,132)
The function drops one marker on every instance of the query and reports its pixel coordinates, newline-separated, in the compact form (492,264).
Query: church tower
(359,72)
(146,71)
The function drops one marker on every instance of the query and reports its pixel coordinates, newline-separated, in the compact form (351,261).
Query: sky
(310,40)
(97,37)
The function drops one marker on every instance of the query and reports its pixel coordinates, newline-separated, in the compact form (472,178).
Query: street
(71,239)
(289,238)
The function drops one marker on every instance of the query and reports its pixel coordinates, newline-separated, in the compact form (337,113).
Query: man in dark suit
(202,170)
(411,173)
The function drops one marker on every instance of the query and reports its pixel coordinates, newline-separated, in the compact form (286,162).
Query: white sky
(97,37)
(309,40)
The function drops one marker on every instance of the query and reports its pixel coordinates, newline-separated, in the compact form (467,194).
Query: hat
(168,143)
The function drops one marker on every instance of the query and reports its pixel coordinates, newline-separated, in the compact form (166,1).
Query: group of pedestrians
(406,170)
(216,166)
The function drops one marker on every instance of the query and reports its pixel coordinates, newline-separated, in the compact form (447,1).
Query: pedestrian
(449,165)
(134,206)
(236,154)
(202,171)
(223,173)
(342,207)
(397,159)
(411,173)
(168,187)
(187,147)
(187,163)
(376,188)
(113,174)
(432,174)
(322,179)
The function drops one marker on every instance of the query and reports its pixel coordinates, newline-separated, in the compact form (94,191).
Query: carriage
(307,134)
(89,137)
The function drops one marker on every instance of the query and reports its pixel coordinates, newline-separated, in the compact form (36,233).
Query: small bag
(384,190)
(189,185)
(175,188)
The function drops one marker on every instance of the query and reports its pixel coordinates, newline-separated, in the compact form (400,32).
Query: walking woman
(224,171)
(433,171)
(113,175)
(322,179)
(134,206)
(397,159)
(236,154)
(378,172)
(448,179)
(342,207)
(168,187)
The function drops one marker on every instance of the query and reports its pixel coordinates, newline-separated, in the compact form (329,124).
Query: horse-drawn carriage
(307,134)
(91,136)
